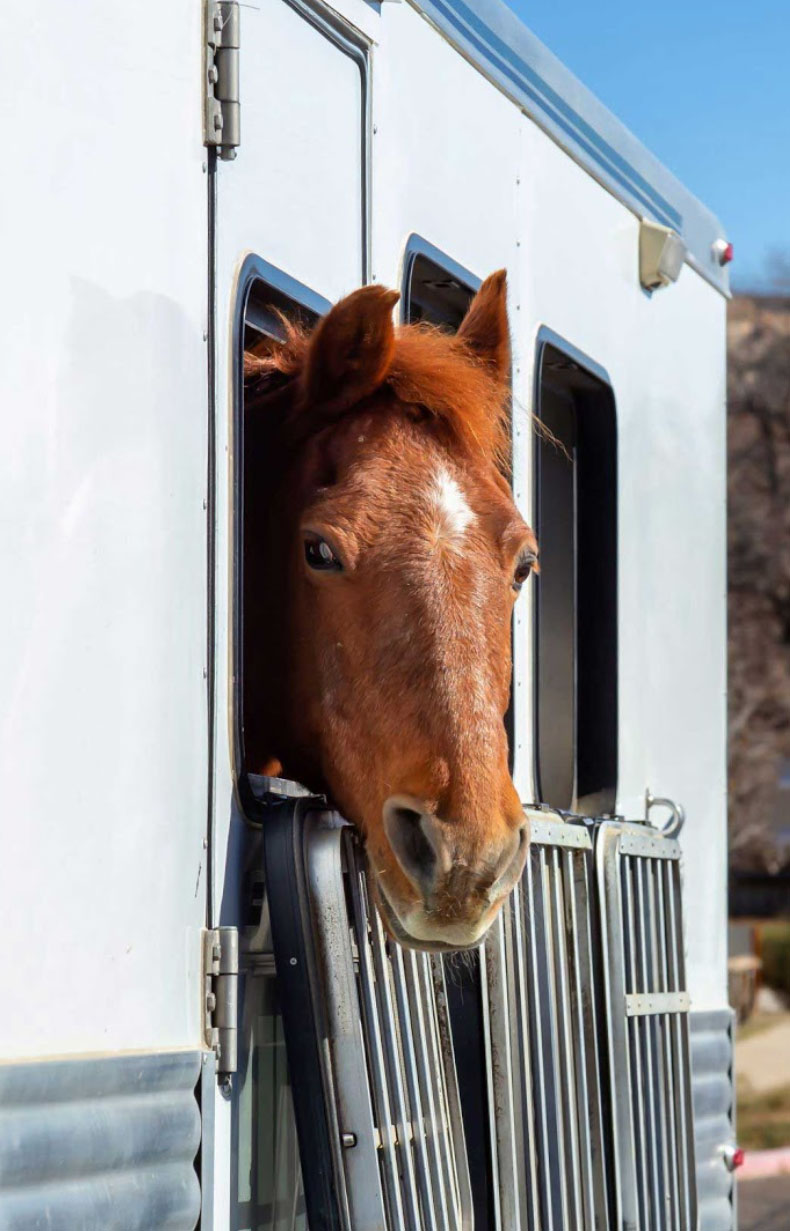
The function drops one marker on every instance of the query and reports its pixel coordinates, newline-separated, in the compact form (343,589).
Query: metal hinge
(221,127)
(221,996)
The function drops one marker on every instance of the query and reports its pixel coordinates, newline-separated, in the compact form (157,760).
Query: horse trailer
(212,1027)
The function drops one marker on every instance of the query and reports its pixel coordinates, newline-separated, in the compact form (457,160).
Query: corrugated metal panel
(100,1144)
(711,1085)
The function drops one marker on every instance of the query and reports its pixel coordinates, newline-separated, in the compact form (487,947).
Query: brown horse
(381,637)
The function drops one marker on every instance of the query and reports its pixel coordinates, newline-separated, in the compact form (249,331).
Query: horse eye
(320,556)
(523,570)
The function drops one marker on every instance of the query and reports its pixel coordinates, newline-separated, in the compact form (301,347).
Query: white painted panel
(294,194)
(665,355)
(102,534)
(445,152)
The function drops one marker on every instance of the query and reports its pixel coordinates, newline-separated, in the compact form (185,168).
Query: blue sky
(706,85)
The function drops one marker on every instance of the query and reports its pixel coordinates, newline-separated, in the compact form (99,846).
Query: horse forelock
(430,370)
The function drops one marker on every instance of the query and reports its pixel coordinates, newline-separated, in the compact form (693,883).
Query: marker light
(723,251)
(733,1156)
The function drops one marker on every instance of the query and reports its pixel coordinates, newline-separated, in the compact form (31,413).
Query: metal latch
(221,996)
(221,127)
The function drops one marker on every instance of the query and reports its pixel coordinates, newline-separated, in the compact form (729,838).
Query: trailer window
(435,289)
(576,591)
(265,293)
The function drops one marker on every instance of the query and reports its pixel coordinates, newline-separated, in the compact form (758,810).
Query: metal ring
(677,819)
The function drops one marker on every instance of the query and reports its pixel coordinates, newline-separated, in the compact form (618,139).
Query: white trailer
(171,174)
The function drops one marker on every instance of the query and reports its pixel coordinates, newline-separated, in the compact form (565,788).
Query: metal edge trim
(494,40)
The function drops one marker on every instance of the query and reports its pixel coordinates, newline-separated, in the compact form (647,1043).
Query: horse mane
(431,369)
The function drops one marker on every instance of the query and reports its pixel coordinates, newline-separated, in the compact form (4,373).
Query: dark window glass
(576,592)
(434,295)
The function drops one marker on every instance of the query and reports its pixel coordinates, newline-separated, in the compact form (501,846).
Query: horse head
(395,554)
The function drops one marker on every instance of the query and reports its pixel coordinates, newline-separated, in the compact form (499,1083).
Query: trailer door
(289,230)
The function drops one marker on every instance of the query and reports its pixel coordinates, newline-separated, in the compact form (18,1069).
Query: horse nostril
(513,867)
(414,850)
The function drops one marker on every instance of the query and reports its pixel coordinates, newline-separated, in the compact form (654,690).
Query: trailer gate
(648,1029)
(586,1039)
(549,1164)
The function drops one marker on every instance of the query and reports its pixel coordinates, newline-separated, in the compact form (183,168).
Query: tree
(759,571)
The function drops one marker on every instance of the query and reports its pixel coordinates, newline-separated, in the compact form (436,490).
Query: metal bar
(651,1004)
(506,1118)
(375,1049)
(637,1093)
(643,1030)
(485,1008)
(680,1050)
(557,1101)
(589,1016)
(426,1086)
(669,1094)
(660,1056)
(642,842)
(458,1157)
(564,1047)
(440,1121)
(537,1003)
(520,978)
(418,1115)
(392,1041)
(581,991)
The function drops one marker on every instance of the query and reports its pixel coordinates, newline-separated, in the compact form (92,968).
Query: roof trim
(493,38)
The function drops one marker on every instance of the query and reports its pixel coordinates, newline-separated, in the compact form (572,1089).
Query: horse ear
(351,349)
(485,330)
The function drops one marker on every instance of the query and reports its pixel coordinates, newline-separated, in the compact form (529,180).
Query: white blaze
(452,507)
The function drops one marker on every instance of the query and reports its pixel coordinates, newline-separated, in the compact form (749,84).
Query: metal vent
(368,1038)
(648,1029)
(546,1100)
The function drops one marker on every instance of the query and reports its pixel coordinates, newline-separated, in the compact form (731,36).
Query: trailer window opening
(433,293)
(576,591)
(264,294)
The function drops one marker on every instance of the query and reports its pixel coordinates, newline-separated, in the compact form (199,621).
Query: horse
(388,555)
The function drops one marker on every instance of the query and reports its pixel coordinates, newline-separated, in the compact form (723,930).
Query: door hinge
(221,996)
(221,127)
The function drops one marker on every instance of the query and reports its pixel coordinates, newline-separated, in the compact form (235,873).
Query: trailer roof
(493,38)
